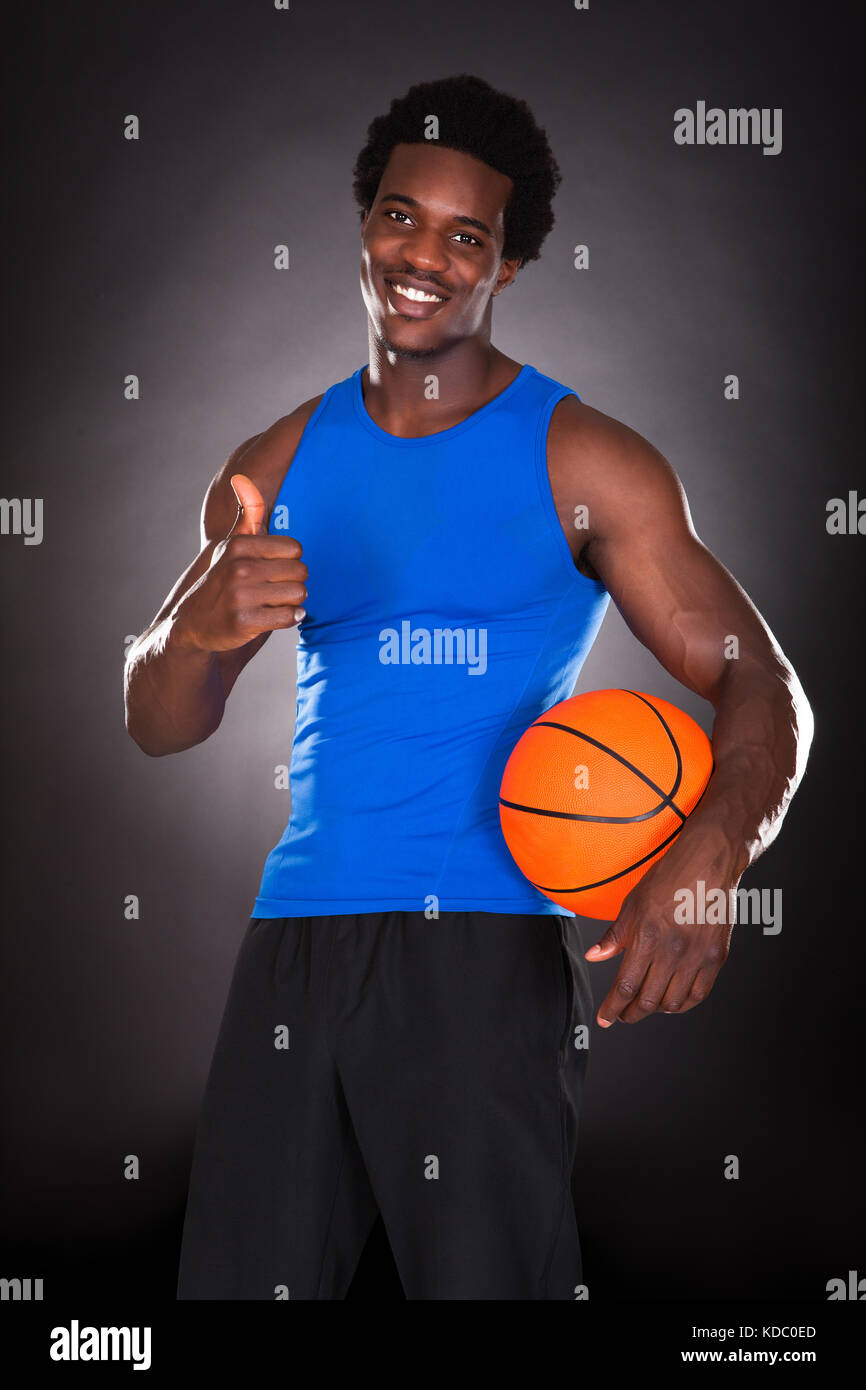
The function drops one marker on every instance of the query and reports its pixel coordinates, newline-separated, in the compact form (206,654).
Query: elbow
(797,714)
(147,744)
(154,747)
(769,695)
(159,743)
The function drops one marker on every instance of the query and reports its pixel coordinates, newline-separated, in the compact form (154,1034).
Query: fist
(255,583)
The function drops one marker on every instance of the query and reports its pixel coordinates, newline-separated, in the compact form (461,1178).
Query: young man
(396,1036)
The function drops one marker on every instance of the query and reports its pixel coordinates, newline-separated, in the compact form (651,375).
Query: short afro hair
(475,119)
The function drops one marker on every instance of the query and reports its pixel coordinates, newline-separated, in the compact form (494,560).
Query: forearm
(174,694)
(761,738)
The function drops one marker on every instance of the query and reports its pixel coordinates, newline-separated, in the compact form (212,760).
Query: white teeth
(411,293)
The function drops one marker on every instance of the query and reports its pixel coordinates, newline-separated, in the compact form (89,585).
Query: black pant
(428,1070)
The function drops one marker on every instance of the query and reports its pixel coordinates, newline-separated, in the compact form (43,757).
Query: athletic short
(430,1069)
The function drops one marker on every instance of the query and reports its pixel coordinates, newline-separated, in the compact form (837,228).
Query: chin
(407,349)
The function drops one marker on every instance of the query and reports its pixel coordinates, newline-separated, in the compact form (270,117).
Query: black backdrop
(154,257)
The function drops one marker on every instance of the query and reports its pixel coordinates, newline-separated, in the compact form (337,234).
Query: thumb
(608,945)
(252,519)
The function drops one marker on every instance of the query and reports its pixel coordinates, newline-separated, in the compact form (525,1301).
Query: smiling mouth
(411,303)
(416,296)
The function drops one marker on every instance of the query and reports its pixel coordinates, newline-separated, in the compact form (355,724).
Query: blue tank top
(445,613)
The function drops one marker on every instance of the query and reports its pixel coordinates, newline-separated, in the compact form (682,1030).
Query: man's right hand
(254,584)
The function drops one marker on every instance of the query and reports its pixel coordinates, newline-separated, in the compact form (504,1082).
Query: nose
(425,250)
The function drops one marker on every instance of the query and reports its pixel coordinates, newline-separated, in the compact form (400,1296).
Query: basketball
(596,790)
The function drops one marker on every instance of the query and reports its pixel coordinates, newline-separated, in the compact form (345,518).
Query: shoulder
(604,463)
(264,458)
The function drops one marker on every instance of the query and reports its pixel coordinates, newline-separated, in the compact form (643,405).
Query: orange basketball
(596,790)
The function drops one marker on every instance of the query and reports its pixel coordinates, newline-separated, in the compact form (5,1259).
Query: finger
(271,548)
(652,991)
(676,995)
(251,571)
(269,619)
(252,520)
(700,987)
(607,945)
(712,956)
(625,988)
(289,595)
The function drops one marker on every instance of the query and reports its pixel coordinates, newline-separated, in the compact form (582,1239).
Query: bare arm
(176,682)
(683,605)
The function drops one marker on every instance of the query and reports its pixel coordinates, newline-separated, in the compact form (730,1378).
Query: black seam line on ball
(666,797)
(660,717)
(596,820)
(585,887)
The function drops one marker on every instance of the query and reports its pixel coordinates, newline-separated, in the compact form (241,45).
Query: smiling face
(431,249)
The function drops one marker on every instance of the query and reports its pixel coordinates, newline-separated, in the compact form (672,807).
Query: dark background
(156,257)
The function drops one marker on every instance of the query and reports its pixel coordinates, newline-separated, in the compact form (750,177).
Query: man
(396,1033)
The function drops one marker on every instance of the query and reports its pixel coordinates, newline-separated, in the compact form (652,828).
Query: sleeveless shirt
(445,613)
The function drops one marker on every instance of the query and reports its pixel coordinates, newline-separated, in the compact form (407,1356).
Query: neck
(401,397)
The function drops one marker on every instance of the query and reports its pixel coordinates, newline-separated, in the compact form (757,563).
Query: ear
(507,272)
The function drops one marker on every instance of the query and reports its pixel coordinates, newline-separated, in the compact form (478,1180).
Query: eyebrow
(413,203)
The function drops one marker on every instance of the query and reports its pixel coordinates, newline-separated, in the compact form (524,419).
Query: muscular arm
(683,605)
(175,696)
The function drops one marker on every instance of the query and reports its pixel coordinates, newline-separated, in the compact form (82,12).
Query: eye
(399,213)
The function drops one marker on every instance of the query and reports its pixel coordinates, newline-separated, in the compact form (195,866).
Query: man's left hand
(668,967)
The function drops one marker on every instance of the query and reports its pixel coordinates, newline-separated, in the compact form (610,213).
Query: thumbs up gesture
(255,582)
(252,519)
